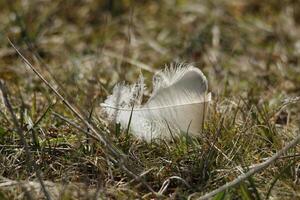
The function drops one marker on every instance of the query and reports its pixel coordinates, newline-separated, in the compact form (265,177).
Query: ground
(248,50)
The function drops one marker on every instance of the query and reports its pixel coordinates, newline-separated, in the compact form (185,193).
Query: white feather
(177,104)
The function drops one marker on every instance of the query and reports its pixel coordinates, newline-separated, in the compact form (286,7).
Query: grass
(249,51)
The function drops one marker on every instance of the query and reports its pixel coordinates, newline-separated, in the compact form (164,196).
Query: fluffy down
(177,104)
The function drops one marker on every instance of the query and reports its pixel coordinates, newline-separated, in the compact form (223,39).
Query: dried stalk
(117,154)
(252,171)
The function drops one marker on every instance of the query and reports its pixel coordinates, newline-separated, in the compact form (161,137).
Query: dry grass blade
(73,110)
(128,60)
(29,159)
(116,153)
(253,171)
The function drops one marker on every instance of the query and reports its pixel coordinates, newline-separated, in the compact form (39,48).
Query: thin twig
(252,171)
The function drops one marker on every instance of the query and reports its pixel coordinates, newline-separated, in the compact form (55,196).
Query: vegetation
(249,51)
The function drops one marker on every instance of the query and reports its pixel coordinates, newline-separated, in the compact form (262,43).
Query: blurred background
(236,43)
